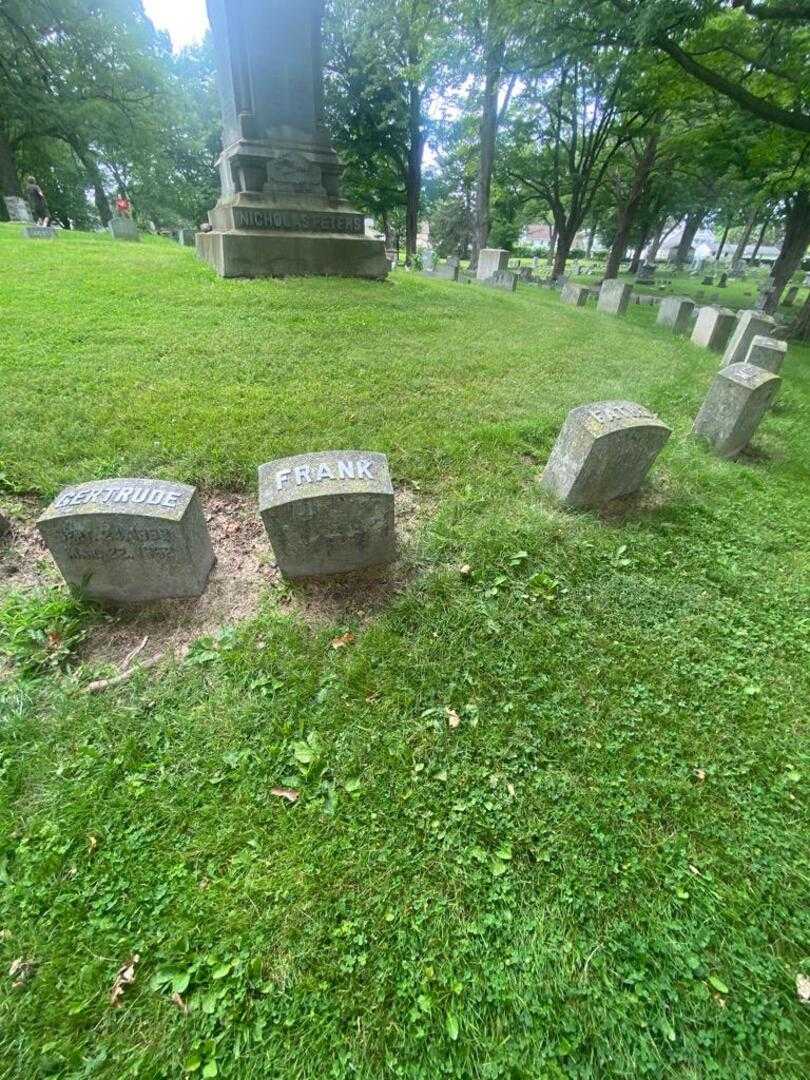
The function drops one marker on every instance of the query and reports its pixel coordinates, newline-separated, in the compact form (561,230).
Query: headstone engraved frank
(767,352)
(676,313)
(713,327)
(280,212)
(575,294)
(739,397)
(749,325)
(604,450)
(124,228)
(490,260)
(614,296)
(328,513)
(18,209)
(39,232)
(130,540)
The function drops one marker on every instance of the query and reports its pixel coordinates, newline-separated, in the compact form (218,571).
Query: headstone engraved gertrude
(614,296)
(130,540)
(603,451)
(676,313)
(328,513)
(739,397)
(490,260)
(280,212)
(18,209)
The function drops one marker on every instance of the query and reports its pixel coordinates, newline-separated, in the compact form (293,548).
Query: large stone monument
(130,540)
(280,212)
(328,513)
(18,209)
(603,451)
(739,397)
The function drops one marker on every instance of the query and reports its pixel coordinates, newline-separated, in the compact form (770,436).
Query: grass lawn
(600,871)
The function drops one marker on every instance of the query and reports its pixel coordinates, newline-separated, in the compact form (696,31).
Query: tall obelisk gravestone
(280,211)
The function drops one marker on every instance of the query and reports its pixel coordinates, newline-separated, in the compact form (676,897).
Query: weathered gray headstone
(39,232)
(526,275)
(713,328)
(614,296)
(124,228)
(502,279)
(490,260)
(767,352)
(130,540)
(806,281)
(708,280)
(790,296)
(453,260)
(750,324)
(5,525)
(575,294)
(604,450)
(328,513)
(446,271)
(676,313)
(645,275)
(722,281)
(428,258)
(738,399)
(392,258)
(18,209)
(186,237)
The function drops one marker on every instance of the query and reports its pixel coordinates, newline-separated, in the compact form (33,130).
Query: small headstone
(427,259)
(645,299)
(453,260)
(391,256)
(790,297)
(575,294)
(186,237)
(526,275)
(18,209)
(614,296)
(39,232)
(766,298)
(130,540)
(124,228)
(767,352)
(5,525)
(676,313)
(708,280)
(604,450)
(328,513)
(446,271)
(739,397)
(502,279)
(806,281)
(646,275)
(490,260)
(713,328)
(749,325)
(722,282)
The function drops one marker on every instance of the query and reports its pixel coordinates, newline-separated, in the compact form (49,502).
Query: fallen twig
(135,652)
(116,680)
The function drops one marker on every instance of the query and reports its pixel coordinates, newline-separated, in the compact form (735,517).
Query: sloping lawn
(600,870)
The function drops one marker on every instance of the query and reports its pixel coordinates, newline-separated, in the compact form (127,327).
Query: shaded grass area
(601,871)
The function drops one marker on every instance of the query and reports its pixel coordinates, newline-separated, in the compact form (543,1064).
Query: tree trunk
(797,237)
(761,237)
(495,47)
(739,251)
(636,260)
(413,187)
(655,243)
(565,238)
(722,242)
(799,329)
(90,166)
(9,182)
(691,227)
(627,213)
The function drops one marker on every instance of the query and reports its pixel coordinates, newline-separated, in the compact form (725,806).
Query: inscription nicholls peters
(299,221)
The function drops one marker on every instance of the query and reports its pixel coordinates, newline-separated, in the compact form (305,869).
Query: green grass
(601,872)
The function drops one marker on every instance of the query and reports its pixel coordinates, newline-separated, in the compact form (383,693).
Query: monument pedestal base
(248,254)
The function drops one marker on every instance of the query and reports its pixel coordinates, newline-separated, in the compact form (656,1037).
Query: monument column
(280,212)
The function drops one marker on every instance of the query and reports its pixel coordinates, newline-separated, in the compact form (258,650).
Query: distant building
(539,236)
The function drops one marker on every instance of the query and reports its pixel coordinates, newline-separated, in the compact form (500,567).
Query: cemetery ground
(546,810)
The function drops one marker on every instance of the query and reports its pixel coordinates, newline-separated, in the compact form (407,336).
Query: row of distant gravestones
(121,228)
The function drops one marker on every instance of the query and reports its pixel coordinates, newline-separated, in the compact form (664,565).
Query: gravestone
(18,209)
(676,313)
(765,298)
(790,297)
(722,282)
(453,260)
(328,513)
(713,328)
(187,237)
(392,258)
(708,280)
(130,540)
(428,260)
(646,300)
(525,275)
(575,294)
(490,260)
(280,212)
(446,271)
(604,451)
(767,352)
(646,275)
(502,279)
(739,397)
(5,525)
(39,232)
(749,325)
(806,281)
(614,296)
(124,228)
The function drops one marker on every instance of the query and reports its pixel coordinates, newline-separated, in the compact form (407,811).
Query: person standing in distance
(36,200)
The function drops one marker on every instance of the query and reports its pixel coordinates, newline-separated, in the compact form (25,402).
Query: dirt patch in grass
(244,577)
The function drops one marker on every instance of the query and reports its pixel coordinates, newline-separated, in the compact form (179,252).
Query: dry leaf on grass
(344,640)
(465,570)
(92,844)
(290,794)
(700,774)
(124,978)
(803,988)
(181,1005)
(21,971)
(453,719)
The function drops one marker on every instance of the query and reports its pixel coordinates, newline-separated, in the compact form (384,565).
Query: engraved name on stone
(299,221)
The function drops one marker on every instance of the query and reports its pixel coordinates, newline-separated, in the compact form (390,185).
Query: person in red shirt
(123,206)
